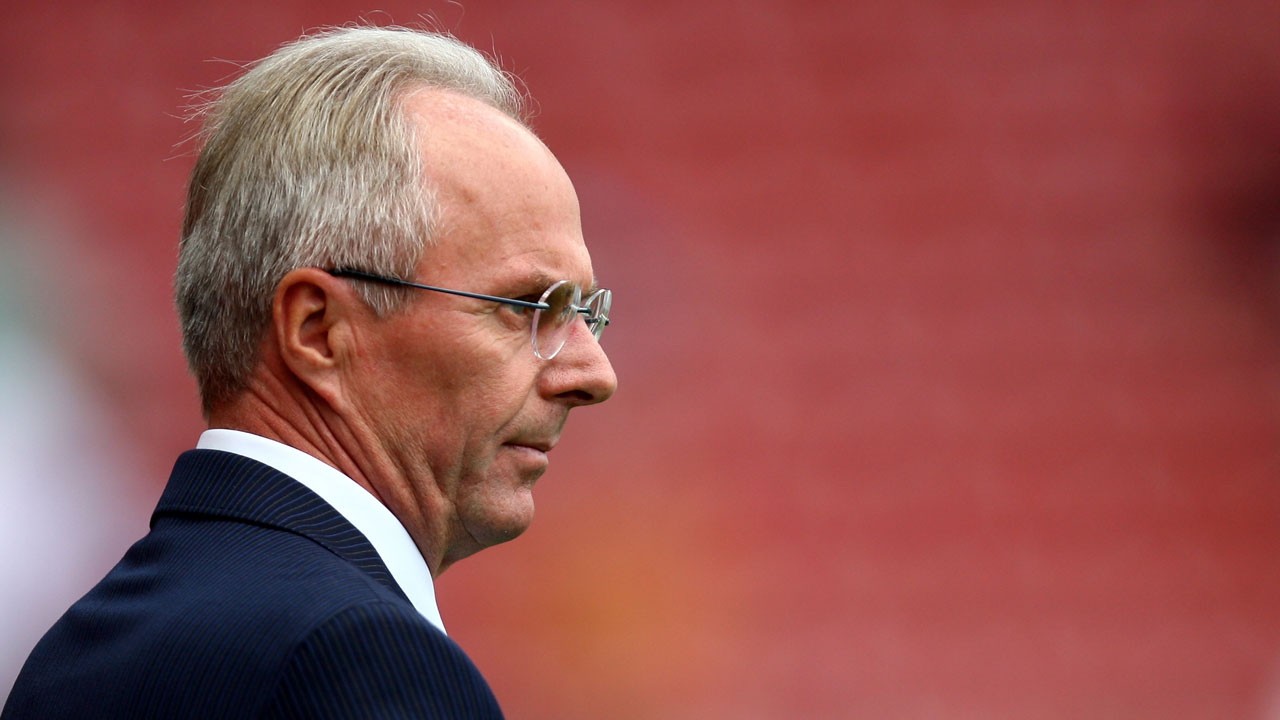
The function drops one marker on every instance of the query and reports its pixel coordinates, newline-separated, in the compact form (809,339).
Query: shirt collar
(383,531)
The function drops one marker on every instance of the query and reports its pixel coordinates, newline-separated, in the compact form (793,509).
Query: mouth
(542,445)
(530,456)
(535,440)
(536,448)
(531,451)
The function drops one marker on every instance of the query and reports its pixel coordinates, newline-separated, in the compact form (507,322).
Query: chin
(495,526)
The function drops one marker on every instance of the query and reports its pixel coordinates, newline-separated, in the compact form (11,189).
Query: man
(388,305)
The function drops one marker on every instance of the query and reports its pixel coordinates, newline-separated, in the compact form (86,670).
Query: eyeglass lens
(552,327)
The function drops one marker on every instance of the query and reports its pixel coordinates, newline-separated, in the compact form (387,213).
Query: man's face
(464,411)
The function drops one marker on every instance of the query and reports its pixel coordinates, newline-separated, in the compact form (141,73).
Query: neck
(291,414)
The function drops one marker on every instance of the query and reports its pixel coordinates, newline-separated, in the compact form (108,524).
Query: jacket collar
(223,484)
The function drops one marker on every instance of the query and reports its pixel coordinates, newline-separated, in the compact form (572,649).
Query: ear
(310,317)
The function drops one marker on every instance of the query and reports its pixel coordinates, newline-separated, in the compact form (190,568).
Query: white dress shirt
(388,537)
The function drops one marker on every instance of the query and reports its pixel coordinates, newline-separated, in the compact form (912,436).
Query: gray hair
(309,160)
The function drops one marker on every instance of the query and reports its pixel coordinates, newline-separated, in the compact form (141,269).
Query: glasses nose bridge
(596,308)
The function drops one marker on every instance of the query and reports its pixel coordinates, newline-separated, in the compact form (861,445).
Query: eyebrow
(537,281)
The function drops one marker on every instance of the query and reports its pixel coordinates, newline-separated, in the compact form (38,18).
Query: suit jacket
(250,598)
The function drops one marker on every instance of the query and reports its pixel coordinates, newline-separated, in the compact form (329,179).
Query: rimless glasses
(553,313)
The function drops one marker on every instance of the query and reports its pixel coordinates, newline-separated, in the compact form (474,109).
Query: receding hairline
(450,105)
(455,131)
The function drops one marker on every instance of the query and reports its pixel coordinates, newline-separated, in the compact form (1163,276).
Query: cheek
(407,396)
(492,386)
(493,407)
(467,382)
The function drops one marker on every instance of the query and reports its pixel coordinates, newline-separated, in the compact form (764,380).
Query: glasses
(553,314)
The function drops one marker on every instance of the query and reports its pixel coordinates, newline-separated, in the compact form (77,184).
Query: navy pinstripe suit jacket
(250,598)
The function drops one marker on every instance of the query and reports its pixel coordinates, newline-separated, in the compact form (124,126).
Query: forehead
(507,208)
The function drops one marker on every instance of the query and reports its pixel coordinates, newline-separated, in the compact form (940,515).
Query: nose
(580,374)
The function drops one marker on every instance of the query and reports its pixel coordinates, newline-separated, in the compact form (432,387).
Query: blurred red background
(948,340)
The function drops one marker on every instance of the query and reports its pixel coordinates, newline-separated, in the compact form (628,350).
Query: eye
(560,298)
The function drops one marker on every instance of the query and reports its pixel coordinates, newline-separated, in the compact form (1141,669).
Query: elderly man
(388,305)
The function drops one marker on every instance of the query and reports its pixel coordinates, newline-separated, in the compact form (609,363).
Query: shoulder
(250,621)
(379,659)
(324,638)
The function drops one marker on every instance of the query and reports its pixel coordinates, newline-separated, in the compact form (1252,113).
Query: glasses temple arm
(361,275)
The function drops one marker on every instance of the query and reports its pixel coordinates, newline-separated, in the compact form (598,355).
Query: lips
(541,436)
(543,446)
